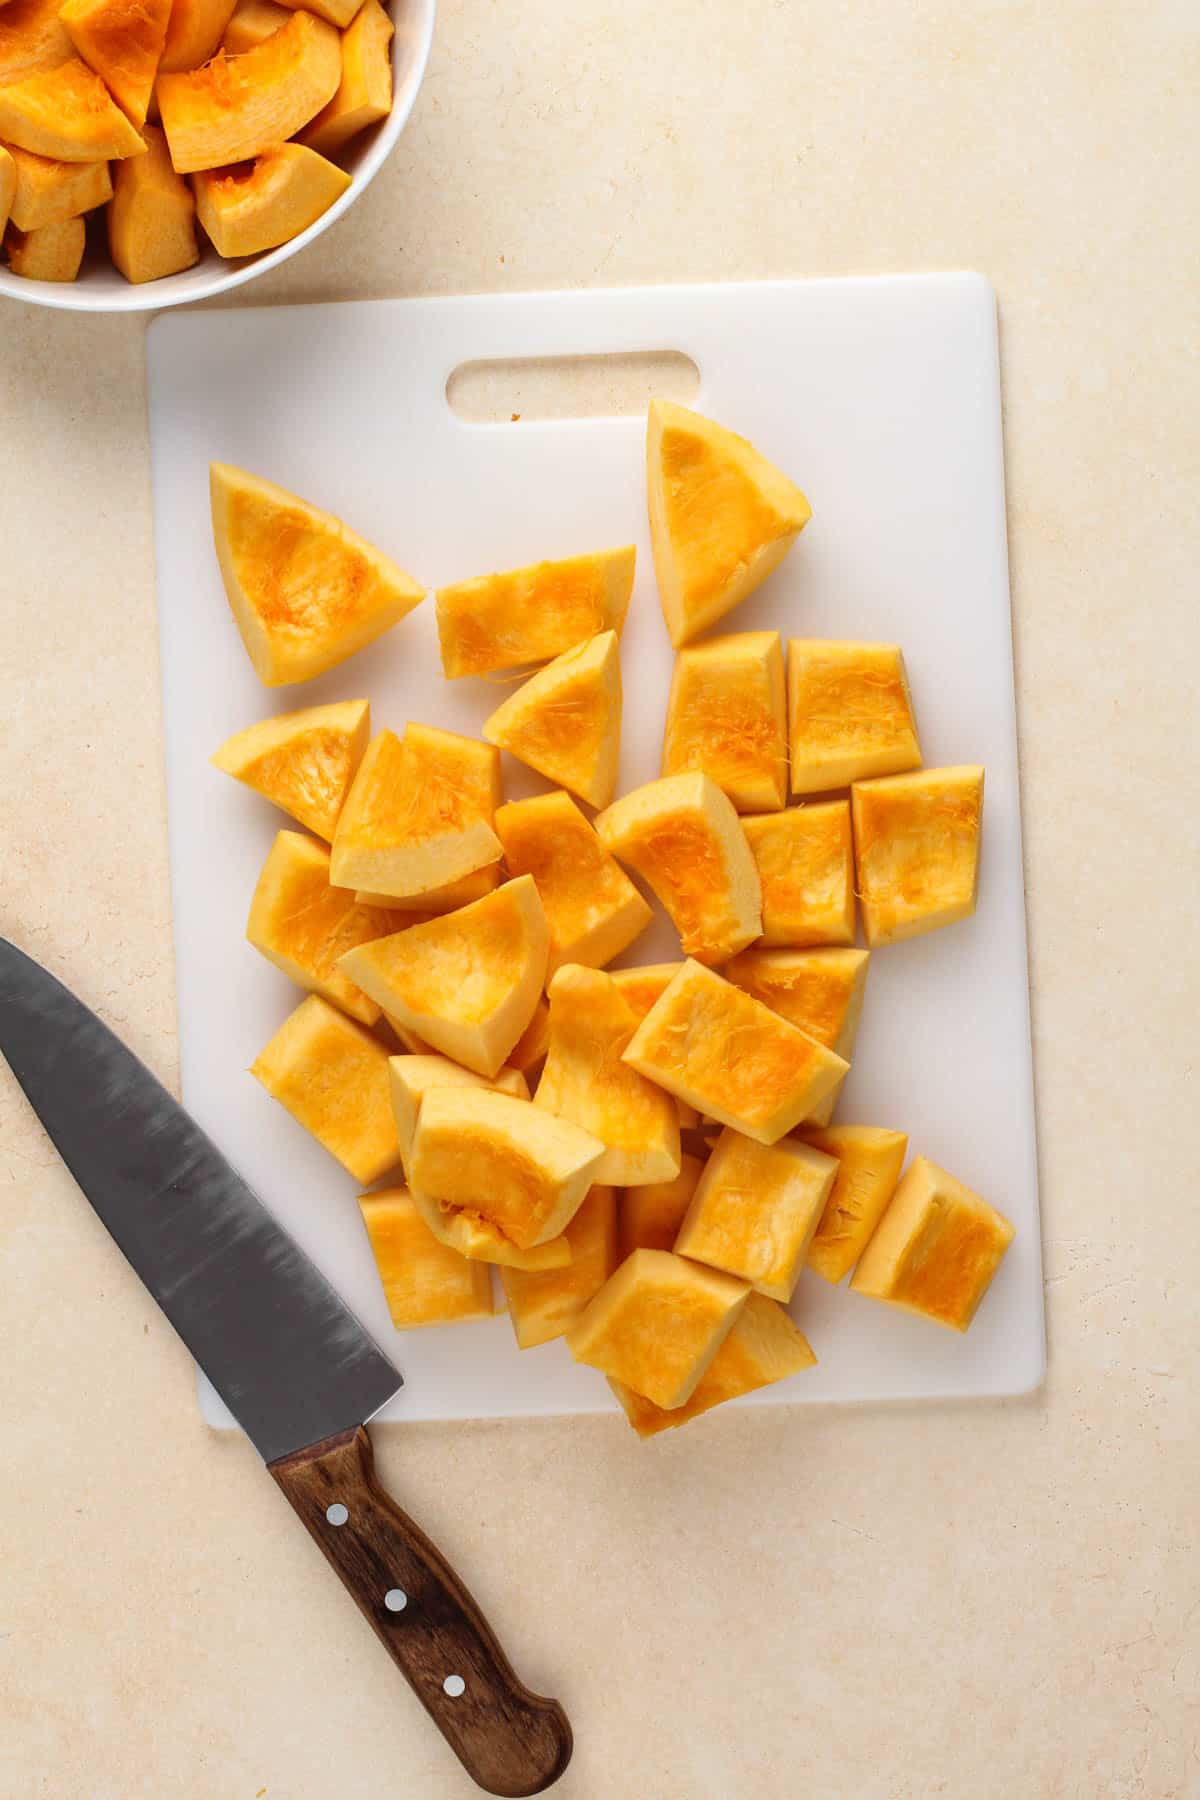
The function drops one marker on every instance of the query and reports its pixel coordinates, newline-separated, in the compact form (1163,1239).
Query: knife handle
(510,1741)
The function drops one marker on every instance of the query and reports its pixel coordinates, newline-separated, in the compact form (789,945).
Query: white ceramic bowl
(101,289)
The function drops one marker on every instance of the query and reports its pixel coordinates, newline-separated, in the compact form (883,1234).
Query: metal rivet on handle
(395,1599)
(454,1685)
(337,1514)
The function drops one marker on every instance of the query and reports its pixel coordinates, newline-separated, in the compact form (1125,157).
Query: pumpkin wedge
(235,107)
(8,187)
(338,12)
(592,908)
(721,517)
(303,762)
(727,715)
(657,1324)
(731,1057)
(122,40)
(419,814)
(47,191)
(682,836)
(440,899)
(529,615)
(258,205)
(411,1077)
(364,94)
(851,713)
(253,22)
(194,31)
(869,1161)
(820,991)
(305,591)
(152,216)
(764,1346)
(424,1282)
(916,850)
(565,721)
(585,1080)
(543,1304)
(651,1215)
(805,863)
(476,1238)
(66,113)
(332,1077)
(52,253)
(468,983)
(302,925)
(32,38)
(516,1170)
(936,1248)
(755,1210)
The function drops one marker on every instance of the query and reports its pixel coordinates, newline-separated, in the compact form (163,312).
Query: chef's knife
(293,1365)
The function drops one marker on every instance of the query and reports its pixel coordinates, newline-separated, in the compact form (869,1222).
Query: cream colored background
(873,1605)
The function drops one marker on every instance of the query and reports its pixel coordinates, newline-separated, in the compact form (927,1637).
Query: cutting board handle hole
(616,386)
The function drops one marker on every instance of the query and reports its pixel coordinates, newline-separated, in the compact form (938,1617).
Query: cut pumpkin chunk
(32,38)
(518,1171)
(468,983)
(66,113)
(869,1162)
(651,1215)
(424,1282)
(592,908)
(585,1080)
(364,94)
(152,218)
(731,1057)
(727,715)
(543,1305)
(122,40)
(821,991)
(529,615)
(302,925)
(640,988)
(419,814)
(411,1077)
(441,899)
(305,591)
(476,1238)
(565,721)
(721,517)
(338,12)
(332,1077)
(252,23)
(850,712)
(916,849)
(52,253)
(936,1248)
(8,187)
(755,1210)
(531,1047)
(258,205)
(764,1345)
(303,762)
(805,863)
(194,31)
(236,107)
(682,836)
(47,192)
(657,1324)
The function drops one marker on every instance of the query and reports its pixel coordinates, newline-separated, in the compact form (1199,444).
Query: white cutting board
(881,399)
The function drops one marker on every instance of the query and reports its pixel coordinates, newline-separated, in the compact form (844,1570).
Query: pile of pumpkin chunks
(647,1154)
(229,112)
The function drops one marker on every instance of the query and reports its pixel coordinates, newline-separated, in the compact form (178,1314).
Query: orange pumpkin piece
(543,1304)
(151,218)
(565,721)
(332,1077)
(364,94)
(194,31)
(820,991)
(305,591)
(47,191)
(529,615)
(258,205)
(32,38)
(303,762)
(916,848)
(66,113)
(657,1324)
(8,187)
(338,12)
(755,1210)
(234,108)
(869,1162)
(253,22)
(851,713)
(424,1282)
(651,1215)
(763,1346)
(52,253)
(640,988)
(721,517)
(936,1248)
(805,863)
(592,908)
(122,40)
(727,715)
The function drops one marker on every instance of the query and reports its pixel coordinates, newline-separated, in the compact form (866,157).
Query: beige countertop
(994,1600)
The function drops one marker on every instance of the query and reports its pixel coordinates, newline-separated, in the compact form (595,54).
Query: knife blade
(293,1364)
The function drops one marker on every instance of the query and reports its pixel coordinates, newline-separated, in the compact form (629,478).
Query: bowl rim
(151,297)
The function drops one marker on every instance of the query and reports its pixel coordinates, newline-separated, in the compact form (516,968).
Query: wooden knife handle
(510,1741)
